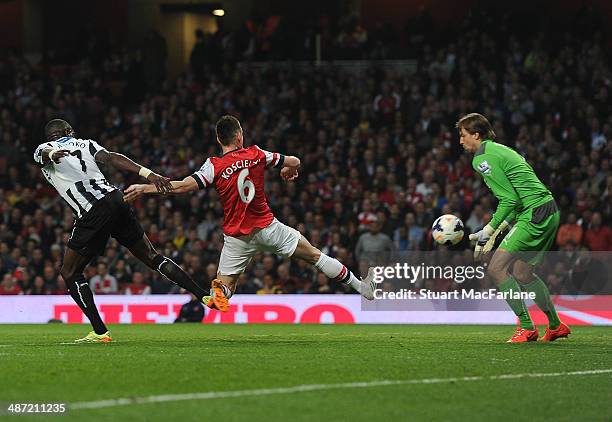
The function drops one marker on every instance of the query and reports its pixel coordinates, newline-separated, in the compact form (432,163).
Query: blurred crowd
(380,155)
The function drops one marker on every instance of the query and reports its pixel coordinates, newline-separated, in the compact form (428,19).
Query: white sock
(334,269)
(227,291)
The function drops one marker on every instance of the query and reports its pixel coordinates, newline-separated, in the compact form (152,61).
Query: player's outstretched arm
(54,155)
(119,161)
(291,161)
(46,154)
(188,184)
(290,168)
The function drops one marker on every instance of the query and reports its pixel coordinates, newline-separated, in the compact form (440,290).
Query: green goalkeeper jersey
(511,179)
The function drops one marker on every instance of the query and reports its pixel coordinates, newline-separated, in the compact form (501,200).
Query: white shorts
(237,252)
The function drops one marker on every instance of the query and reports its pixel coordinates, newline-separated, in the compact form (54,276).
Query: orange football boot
(218,300)
(207,300)
(561,331)
(522,335)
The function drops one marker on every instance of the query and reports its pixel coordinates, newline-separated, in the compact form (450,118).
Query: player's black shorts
(110,216)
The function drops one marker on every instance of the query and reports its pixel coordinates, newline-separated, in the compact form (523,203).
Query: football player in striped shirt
(70,164)
(248,224)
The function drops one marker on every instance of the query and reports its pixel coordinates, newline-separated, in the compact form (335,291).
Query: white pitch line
(99,404)
(72,343)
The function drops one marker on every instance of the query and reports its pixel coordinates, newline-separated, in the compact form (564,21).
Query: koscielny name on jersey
(238,165)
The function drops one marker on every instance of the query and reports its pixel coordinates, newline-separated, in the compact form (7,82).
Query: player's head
(58,128)
(229,132)
(473,129)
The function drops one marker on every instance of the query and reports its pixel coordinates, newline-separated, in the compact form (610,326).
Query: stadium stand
(378,145)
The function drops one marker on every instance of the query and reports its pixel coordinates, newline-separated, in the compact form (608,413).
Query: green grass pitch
(431,362)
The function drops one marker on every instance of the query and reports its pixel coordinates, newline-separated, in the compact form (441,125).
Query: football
(447,230)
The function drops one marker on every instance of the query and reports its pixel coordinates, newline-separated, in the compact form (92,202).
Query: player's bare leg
(73,266)
(222,289)
(334,269)
(499,270)
(524,273)
(229,281)
(145,252)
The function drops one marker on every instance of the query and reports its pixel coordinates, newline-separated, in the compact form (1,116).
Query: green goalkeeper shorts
(534,233)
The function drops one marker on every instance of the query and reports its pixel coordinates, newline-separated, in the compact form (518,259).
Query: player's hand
(497,235)
(481,237)
(289,173)
(162,183)
(133,192)
(59,154)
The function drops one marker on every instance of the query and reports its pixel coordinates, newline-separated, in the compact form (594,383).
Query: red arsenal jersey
(238,176)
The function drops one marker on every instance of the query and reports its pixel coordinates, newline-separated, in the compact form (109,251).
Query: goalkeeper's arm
(500,231)
(487,237)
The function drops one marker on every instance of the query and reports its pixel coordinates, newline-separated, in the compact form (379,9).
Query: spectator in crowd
(373,243)
(122,272)
(401,240)
(476,220)
(286,281)
(246,284)
(425,188)
(59,287)
(367,215)
(103,283)
(597,236)
(321,286)
(386,103)
(415,232)
(38,287)
(269,286)
(137,286)
(192,311)
(49,276)
(9,286)
(197,59)
(570,233)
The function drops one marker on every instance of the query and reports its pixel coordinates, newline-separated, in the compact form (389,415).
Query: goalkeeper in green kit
(525,200)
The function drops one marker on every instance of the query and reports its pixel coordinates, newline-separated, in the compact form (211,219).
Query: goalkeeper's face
(469,141)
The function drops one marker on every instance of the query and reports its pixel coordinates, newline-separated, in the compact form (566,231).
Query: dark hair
(476,123)
(227,128)
(56,129)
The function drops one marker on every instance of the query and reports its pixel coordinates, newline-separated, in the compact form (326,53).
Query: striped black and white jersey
(77,177)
